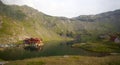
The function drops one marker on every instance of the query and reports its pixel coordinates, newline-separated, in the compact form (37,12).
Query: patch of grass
(1,60)
(36,63)
(99,46)
(70,60)
(114,63)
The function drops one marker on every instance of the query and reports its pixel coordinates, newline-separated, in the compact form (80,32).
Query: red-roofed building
(36,42)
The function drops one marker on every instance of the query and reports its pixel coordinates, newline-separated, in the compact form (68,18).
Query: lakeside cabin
(35,42)
(28,42)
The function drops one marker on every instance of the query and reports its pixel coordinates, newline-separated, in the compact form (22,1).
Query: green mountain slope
(20,22)
(13,29)
(108,20)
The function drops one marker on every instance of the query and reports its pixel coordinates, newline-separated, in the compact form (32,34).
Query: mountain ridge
(20,22)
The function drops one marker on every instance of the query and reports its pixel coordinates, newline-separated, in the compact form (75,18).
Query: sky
(69,8)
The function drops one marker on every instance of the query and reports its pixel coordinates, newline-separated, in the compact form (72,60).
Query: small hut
(34,42)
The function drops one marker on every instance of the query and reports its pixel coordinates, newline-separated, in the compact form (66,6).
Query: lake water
(63,48)
(49,49)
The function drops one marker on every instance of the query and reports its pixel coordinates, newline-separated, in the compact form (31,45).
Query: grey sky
(69,8)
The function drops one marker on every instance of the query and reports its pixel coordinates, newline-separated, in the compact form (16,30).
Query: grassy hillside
(14,29)
(107,20)
(19,22)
